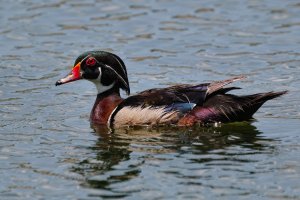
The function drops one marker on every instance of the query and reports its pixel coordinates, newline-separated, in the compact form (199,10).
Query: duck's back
(188,104)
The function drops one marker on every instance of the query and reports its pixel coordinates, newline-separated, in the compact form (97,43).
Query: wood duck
(180,105)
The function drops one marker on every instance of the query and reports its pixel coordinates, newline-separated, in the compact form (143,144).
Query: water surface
(48,149)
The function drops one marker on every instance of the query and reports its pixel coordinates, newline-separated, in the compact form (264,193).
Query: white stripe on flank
(109,118)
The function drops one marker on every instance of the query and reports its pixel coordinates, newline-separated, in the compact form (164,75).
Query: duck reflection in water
(121,156)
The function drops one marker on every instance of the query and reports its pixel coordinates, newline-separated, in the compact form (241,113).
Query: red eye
(90,61)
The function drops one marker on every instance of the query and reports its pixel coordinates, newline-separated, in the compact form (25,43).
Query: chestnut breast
(103,108)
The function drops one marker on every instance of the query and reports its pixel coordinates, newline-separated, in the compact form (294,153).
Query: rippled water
(49,151)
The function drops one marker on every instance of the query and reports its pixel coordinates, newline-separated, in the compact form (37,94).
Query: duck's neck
(104,105)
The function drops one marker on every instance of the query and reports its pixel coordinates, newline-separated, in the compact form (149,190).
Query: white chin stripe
(101,88)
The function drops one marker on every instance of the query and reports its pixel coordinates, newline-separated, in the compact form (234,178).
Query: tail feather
(263,97)
(253,102)
(228,108)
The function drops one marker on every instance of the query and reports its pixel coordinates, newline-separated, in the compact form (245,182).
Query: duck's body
(182,105)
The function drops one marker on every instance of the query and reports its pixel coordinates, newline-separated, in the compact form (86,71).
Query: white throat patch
(101,88)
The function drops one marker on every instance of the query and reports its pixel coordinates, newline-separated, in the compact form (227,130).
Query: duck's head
(104,69)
